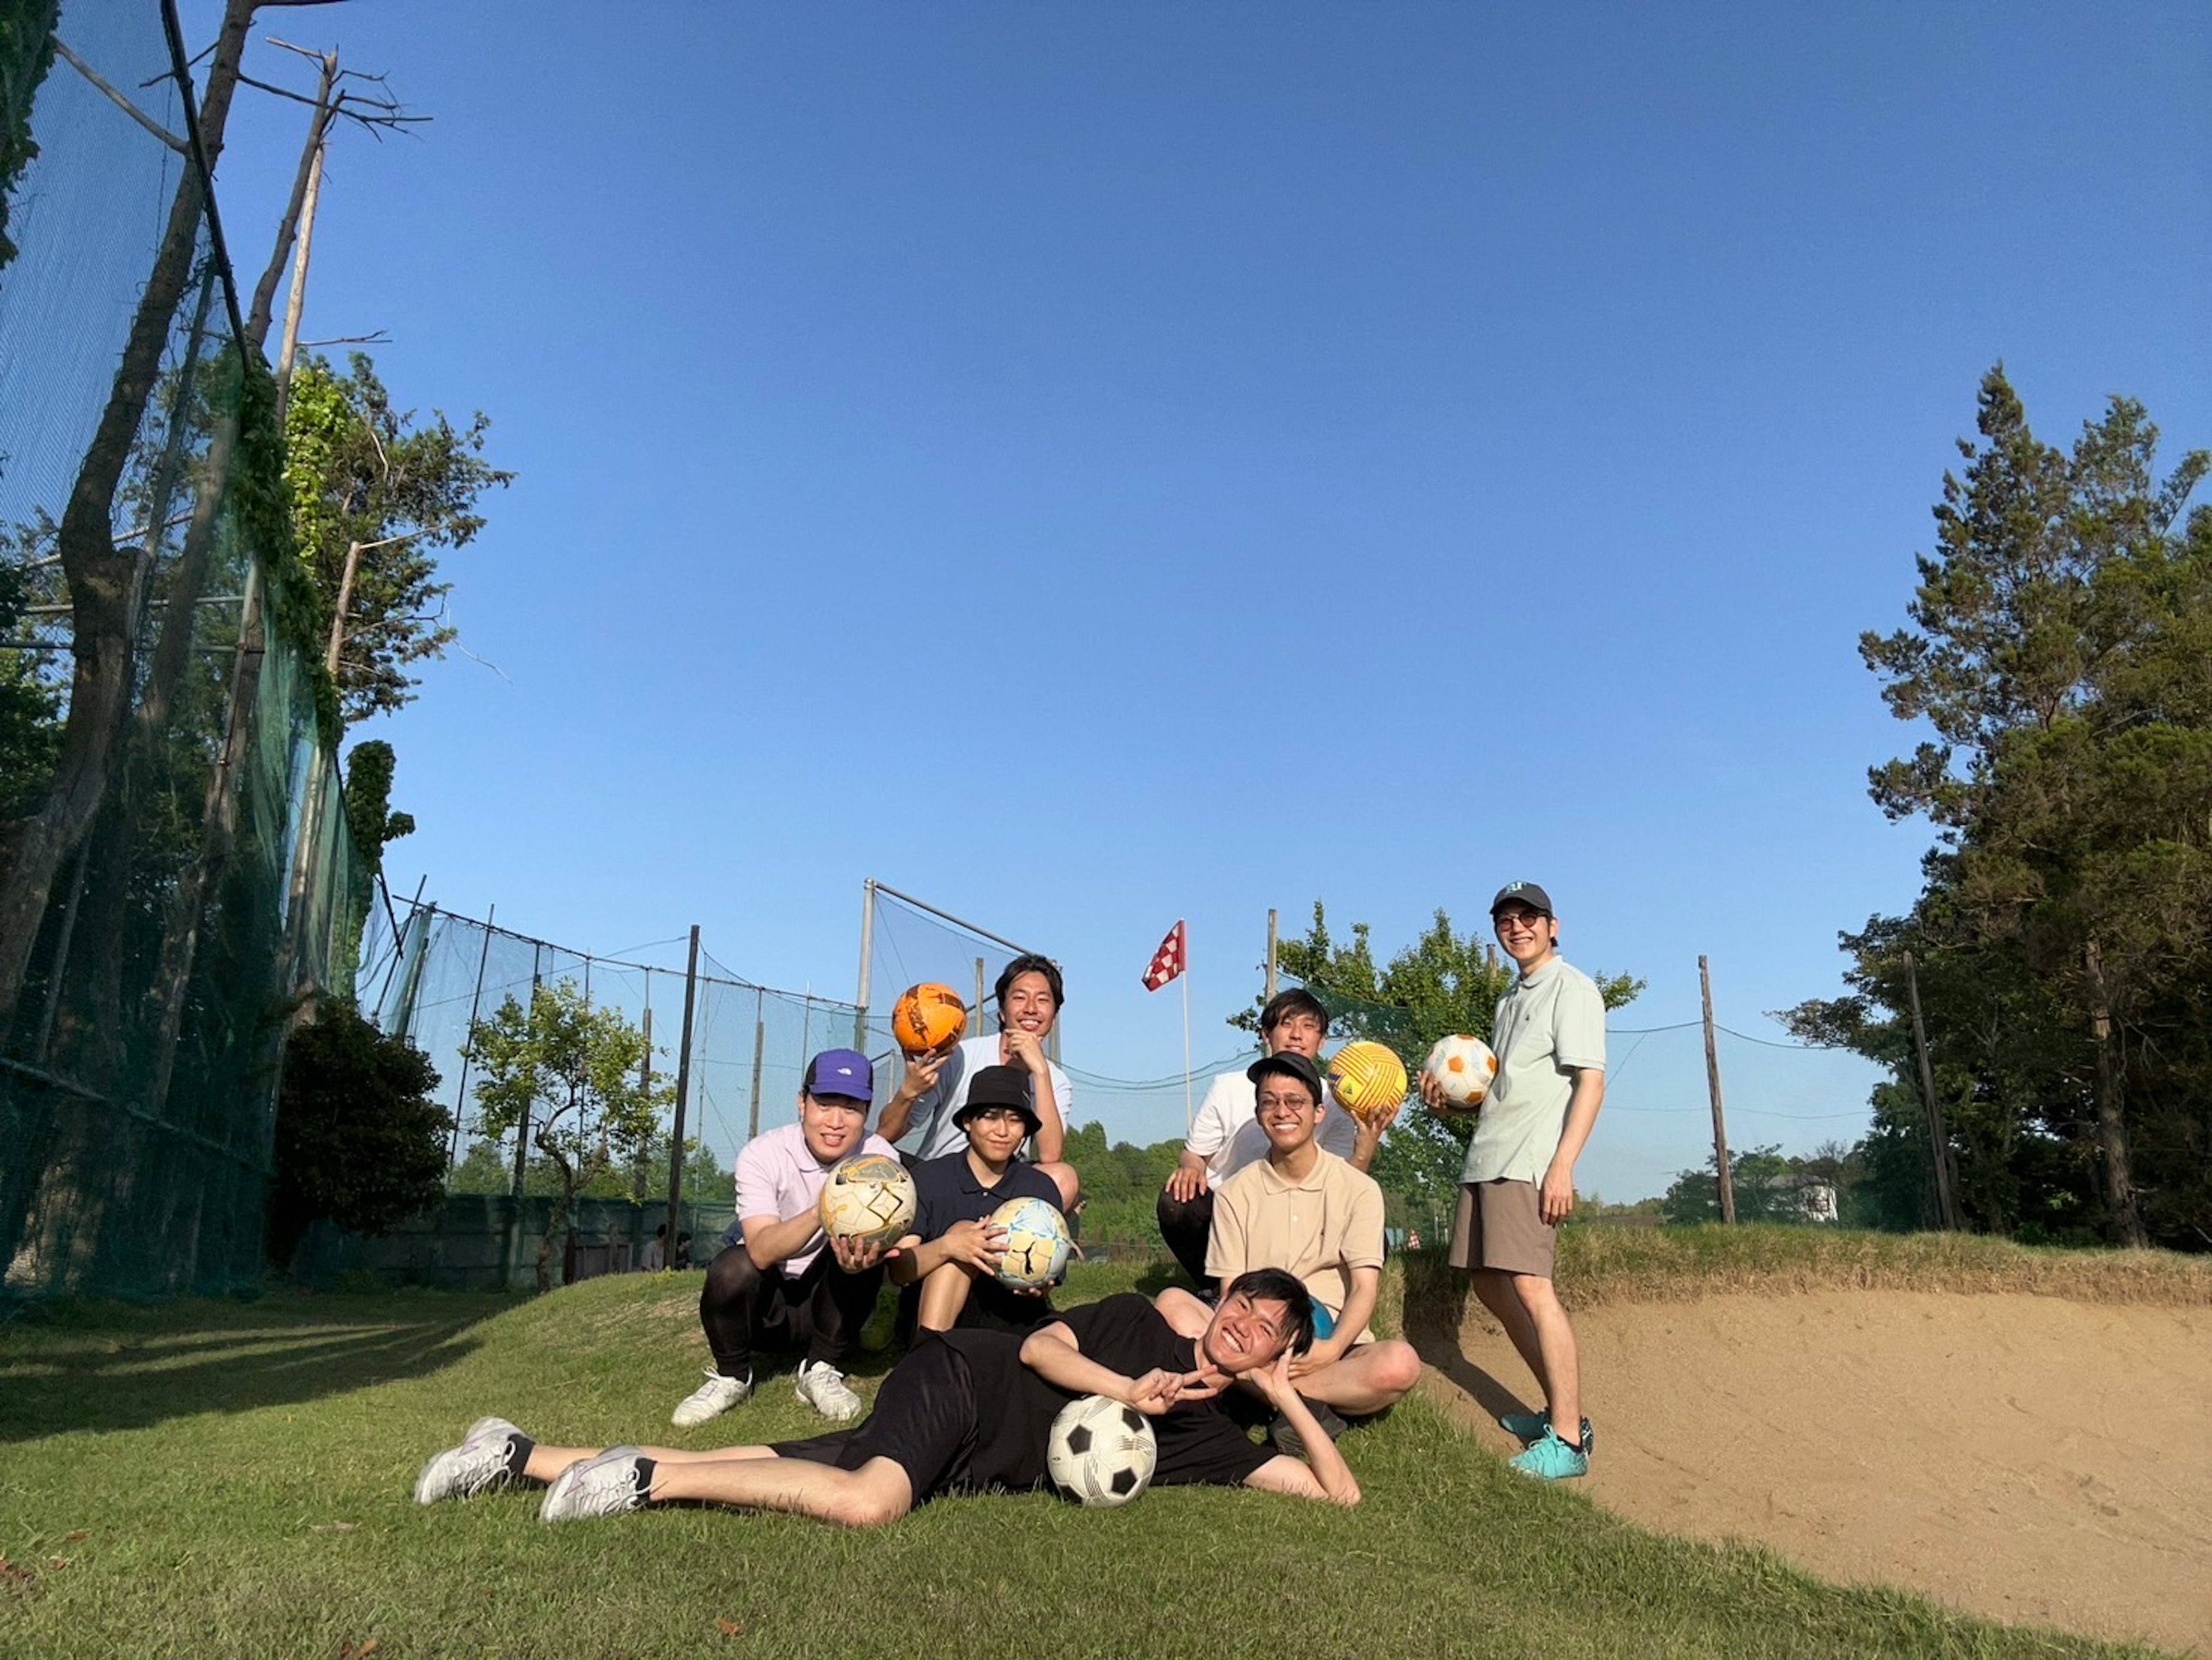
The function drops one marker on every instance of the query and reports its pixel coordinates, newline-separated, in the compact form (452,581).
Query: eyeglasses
(1298,1099)
(1524,921)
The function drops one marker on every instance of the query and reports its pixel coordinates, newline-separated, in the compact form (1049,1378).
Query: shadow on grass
(97,1369)
(1436,1302)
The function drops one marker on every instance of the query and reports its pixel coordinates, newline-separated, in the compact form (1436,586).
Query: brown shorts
(1499,1227)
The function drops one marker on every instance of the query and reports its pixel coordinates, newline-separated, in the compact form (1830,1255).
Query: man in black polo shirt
(968,1411)
(951,1256)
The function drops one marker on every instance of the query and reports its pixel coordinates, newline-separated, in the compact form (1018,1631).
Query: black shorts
(924,1422)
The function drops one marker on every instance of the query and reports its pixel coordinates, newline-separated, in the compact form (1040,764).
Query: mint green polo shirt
(1549,1026)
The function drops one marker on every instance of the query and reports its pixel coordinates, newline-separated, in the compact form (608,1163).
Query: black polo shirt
(946,1191)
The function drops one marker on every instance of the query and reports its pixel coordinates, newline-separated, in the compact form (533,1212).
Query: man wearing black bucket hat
(950,1259)
(1519,1181)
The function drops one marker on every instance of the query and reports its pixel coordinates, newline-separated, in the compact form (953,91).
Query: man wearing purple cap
(781,1285)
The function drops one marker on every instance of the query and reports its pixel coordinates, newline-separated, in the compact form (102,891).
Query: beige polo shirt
(1319,1229)
(1550,1026)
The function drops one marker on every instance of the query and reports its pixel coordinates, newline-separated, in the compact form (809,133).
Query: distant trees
(359,1139)
(572,1072)
(2060,651)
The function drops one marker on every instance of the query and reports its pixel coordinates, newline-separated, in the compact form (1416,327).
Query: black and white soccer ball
(1102,1452)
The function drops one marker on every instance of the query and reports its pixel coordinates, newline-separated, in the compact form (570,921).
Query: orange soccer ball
(928,1017)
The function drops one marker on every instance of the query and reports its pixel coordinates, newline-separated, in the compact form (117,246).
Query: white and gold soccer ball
(1102,1452)
(1038,1244)
(869,1198)
(1462,1067)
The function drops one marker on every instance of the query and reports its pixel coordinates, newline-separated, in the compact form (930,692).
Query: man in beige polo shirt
(1303,1209)
(1518,1183)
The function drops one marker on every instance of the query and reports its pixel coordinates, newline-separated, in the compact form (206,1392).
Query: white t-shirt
(1548,1026)
(1227,1135)
(934,1112)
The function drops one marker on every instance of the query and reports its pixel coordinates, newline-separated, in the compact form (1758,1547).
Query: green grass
(233,1480)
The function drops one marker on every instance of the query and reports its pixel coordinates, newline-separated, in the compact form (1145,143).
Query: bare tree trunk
(105,584)
(2121,1200)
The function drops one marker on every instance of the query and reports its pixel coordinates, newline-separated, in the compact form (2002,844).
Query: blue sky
(1087,466)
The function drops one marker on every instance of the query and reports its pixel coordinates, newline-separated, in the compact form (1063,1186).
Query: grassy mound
(219,1479)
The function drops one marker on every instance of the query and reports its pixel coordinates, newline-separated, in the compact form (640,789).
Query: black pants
(820,1314)
(924,1422)
(1186,1225)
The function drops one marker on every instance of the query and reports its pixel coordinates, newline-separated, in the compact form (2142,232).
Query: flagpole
(1188,1119)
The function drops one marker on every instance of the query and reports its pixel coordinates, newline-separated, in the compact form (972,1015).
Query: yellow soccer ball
(1368,1080)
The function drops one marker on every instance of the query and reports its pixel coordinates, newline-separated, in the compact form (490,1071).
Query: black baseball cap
(1521,893)
(999,1086)
(1291,1062)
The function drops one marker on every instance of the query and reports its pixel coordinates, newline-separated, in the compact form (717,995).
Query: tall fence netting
(175,861)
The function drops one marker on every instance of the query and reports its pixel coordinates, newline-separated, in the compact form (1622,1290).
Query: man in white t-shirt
(1029,994)
(1518,1183)
(1226,1136)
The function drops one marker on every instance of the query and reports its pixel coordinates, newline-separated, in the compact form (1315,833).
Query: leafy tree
(1444,983)
(30,727)
(2060,649)
(570,1070)
(1765,1185)
(367,478)
(359,1139)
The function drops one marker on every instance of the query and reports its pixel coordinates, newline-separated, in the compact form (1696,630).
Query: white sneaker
(710,1400)
(478,1465)
(606,1485)
(822,1386)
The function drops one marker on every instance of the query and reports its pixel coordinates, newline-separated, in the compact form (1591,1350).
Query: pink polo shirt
(779,1175)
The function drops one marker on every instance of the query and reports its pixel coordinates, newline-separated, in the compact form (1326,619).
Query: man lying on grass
(966,1411)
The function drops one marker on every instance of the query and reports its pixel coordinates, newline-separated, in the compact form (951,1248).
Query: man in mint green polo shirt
(1519,1181)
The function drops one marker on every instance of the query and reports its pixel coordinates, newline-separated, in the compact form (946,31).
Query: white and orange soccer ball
(1462,1067)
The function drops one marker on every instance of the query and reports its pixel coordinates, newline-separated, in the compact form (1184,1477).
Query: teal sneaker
(1553,1460)
(1529,1426)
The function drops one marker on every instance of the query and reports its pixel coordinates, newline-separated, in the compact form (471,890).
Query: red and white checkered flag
(1170,959)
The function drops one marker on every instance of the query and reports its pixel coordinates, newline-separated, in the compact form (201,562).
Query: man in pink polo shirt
(781,1284)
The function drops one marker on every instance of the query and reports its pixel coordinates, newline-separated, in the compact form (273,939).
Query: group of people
(1271,1211)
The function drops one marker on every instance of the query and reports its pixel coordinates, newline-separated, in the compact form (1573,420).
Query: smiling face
(1526,935)
(832,1124)
(1298,1032)
(1245,1334)
(1288,1114)
(994,1134)
(1028,1005)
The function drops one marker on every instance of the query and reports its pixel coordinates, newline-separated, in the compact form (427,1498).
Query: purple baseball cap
(841,1072)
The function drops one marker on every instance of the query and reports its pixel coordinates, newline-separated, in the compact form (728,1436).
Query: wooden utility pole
(760,1048)
(1713,1085)
(1947,1194)
(1271,944)
(683,1090)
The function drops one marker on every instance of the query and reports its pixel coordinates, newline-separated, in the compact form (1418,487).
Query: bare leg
(1070,1185)
(944,1294)
(1562,1373)
(1370,1377)
(1185,1314)
(873,1496)
(546,1463)
(1496,1292)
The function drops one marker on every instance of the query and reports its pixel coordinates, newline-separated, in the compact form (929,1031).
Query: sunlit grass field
(233,1479)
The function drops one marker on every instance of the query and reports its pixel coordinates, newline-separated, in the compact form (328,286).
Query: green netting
(176,868)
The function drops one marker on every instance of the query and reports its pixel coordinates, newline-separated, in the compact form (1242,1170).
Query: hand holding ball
(927,1018)
(1459,1070)
(869,1199)
(1368,1080)
(1038,1244)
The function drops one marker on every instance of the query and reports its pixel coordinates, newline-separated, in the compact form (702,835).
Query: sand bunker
(2023,1457)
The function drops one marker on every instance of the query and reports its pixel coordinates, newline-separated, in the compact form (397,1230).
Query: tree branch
(118,99)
